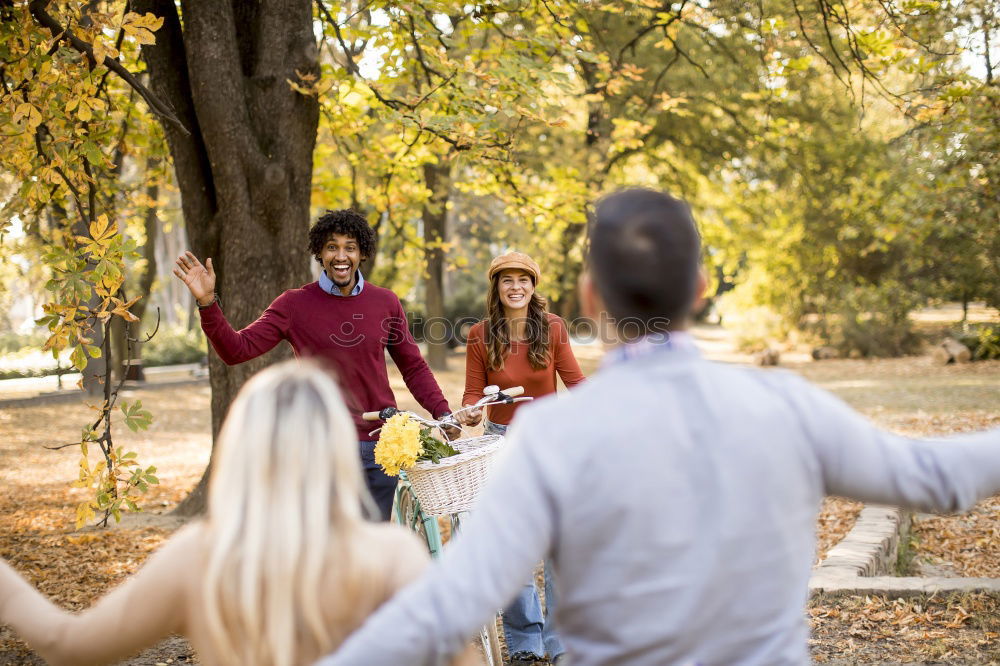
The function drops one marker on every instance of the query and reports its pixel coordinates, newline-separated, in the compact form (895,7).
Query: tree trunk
(437,178)
(245,168)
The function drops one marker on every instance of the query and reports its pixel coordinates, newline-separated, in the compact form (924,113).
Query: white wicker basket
(453,484)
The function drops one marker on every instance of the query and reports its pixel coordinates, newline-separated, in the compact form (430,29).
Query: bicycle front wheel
(406,512)
(489,640)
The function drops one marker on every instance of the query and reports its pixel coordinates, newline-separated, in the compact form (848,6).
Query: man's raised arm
(232,346)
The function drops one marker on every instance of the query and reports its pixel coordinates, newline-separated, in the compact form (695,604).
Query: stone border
(871,547)
(901,586)
(864,561)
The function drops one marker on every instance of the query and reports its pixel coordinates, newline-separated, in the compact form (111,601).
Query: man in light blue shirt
(675,497)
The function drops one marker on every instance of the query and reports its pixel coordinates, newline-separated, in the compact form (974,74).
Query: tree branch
(428,70)
(813,45)
(46,20)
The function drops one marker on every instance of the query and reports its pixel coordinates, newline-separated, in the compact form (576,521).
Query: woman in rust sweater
(519,344)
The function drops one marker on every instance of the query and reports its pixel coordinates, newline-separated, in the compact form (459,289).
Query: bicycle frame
(406,509)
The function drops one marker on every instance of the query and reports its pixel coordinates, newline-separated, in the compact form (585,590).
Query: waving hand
(200,279)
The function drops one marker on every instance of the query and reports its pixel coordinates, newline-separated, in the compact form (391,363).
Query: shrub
(174,345)
(984,341)
(755,329)
(12,342)
(870,321)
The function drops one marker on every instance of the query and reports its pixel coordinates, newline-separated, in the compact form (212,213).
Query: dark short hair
(345,221)
(644,255)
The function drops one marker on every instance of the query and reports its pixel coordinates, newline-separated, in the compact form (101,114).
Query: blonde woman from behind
(281,570)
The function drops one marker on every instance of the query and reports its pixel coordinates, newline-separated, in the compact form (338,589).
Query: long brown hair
(497,332)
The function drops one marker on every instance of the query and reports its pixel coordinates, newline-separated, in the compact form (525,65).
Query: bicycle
(407,510)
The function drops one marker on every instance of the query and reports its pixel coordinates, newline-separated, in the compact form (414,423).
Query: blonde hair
(286,488)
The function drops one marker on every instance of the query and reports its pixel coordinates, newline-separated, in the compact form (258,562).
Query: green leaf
(136,418)
(78,358)
(93,153)
(433,448)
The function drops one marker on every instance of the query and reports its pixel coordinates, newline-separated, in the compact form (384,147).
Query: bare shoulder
(394,539)
(192,537)
(397,549)
(185,549)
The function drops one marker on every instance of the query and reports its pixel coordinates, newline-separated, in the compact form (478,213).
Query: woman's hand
(470,417)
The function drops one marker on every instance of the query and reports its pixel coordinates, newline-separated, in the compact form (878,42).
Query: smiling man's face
(340,258)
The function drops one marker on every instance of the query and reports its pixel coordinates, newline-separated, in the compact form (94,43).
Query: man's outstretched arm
(500,544)
(861,461)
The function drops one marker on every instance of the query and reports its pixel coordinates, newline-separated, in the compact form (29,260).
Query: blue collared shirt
(327,285)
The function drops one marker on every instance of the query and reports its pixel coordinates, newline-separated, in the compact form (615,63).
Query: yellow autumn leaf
(102,51)
(30,114)
(84,513)
(100,229)
(83,111)
(142,27)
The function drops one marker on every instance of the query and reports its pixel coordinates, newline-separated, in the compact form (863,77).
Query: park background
(841,159)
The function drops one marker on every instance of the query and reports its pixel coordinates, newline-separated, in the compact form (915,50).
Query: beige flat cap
(514,260)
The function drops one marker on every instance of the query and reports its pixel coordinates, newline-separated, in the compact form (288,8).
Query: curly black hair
(345,221)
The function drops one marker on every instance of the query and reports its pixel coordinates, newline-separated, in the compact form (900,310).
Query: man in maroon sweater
(340,318)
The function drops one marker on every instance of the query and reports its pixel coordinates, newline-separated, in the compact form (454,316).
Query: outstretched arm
(861,461)
(143,609)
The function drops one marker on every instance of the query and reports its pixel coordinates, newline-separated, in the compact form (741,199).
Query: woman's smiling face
(515,289)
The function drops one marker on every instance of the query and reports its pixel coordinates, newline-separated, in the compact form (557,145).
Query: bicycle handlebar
(495,397)
(379,415)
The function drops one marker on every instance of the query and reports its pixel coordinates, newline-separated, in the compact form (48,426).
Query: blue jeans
(380,485)
(526,629)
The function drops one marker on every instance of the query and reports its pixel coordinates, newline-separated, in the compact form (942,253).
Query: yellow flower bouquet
(402,442)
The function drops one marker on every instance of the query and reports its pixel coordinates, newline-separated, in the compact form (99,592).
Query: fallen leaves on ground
(75,567)
(952,629)
(836,518)
(967,544)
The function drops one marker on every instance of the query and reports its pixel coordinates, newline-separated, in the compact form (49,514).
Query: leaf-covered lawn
(73,568)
